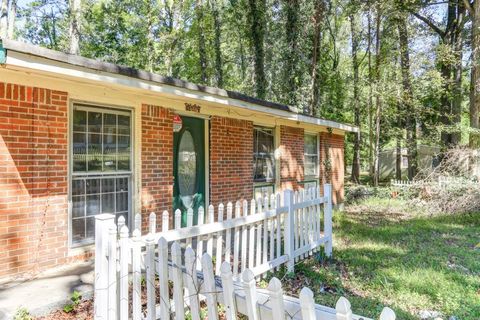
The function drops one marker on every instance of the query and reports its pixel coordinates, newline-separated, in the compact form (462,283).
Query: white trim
(207,161)
(71,71)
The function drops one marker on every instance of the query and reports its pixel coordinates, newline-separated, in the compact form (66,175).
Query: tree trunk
(217,44)
(475,75)
(74,30)
(12,12)
(202,51)
(4,19)
(317,40)
(378,99)
(256,17)
(407,99)
(291,57)
(370,98)
(458,70)
(356,100)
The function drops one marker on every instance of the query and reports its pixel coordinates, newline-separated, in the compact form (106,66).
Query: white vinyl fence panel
(161,276)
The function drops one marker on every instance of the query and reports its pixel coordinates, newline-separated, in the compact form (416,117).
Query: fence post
(387,314)
(102,223)
(248,280)
(124,258)
(289,228)
(275,293)
(327,192)
(228,291)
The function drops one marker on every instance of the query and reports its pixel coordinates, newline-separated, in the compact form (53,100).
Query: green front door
(189,167)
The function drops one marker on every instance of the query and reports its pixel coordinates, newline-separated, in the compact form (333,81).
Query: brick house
(80,137)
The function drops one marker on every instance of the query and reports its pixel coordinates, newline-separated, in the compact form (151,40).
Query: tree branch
(429,23)
(468,5)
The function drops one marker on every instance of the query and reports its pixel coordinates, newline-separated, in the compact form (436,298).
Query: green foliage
(76,298)
(22,314)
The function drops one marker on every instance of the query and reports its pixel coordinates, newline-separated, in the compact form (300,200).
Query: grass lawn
(409,262)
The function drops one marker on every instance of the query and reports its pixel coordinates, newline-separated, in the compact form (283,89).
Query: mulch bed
(83,311)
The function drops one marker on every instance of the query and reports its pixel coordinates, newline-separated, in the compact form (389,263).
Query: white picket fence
(254,238)
(442,182)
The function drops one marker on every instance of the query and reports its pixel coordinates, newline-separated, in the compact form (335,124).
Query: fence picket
(188,241)
(163,279)
(259,242)
(192,283)
(278,218)
(124,258)
(219,244)
(343,309)
(178,219)
(209,287)
(211,219)
(243,261)
(165,221)
(228,234)
(120,223)
(387,314)
(327,191)
(307,304)
(152,223)
(228,291)
(177,280)
(275,294)
(150,277)
(137,276)
(251,237)
(201,219)
(273,226)
(112,272)
(248,279)
(236,241)
(138,222)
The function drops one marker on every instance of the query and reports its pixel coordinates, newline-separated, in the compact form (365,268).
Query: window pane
(122,184)
(262,191)
(78,187)
(90,228)
(310,144)
(79,151)
(108,203)
(122,201)
(108,185)
(80,121)
(94,122)
(310,165)
(78,207)
(123,125)
(78,230)
(264,162)
(93,205)
(123,155)
(93,186)
(109,123)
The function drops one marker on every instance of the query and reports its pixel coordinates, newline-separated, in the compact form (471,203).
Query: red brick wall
(157,162)
(231,160)
(333,145)
(292,154)
(33,179)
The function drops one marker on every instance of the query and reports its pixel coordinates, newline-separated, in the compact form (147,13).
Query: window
(263,155)
(101,168)
(262,191)
(311,156)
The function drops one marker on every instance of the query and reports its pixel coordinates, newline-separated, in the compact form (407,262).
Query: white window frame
(308,178)
(119,110)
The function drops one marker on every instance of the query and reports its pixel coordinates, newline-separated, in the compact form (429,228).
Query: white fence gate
(254,238)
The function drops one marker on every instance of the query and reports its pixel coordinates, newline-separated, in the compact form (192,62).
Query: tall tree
(12,13)
(407,98)
(291,56)
(217,44)
(356,98)
(3,19)
(316,46)
(256,18)
(202,51)
(74,29)
(378,98)
(474,11)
